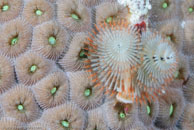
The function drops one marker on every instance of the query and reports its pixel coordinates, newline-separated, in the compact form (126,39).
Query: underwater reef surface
(97,65)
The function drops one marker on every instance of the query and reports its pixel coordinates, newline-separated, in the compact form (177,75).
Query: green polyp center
(176,74)
(20,107)
(38,12)
(122,115)
(109,19)
(87,92)
(190,10)
(33,68)
(82,53)
(65,123)
(53,90)
(75,16)
(165,5)
(14,41)
(5,8)
(148,110)
(169,38)
(171,110)
(52,40)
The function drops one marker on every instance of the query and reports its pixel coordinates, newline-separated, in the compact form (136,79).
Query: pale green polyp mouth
(148,110)
(53,90)
(176,74)
(74,16)
(65,124)
(165,5)
(14,41)
(122,115)
(82,54)
(5,8)
(171,110)
(38,12)
(87,92)
(20,107)
(190,10)
(109,19)
(33,68)
(52,40)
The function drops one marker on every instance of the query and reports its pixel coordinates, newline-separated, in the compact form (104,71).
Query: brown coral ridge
(83,92)
(6,74)
(188,89)
(30,68)
(38,125)
(73,15)
(96,120)
(163,10)
(19,103)
(76,55)
(187,122)
(7,123)
(66,116)
(120,116)
(188,47)
(49,40)
(171,107)
(10,9)
(52,90)
(37,11)
(109,12)
(91,3)
(15,38)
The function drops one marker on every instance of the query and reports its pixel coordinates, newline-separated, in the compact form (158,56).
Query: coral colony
(97,64)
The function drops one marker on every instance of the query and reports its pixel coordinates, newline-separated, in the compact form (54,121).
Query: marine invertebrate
(7,123)
(66,116)
(172,31)
(30,68)
(15,38)
(73,15)
(188,89)
(171,106)
(10,9)
(109,11)
(120,116)
(96,120)
(49,40)
(74,59)
(114,53)
(187,8)
(19,103)
(83,92)
(188,116)
(37,11)
(148,112)
(163,10)
(159,63)
(6,74)
(52,90)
